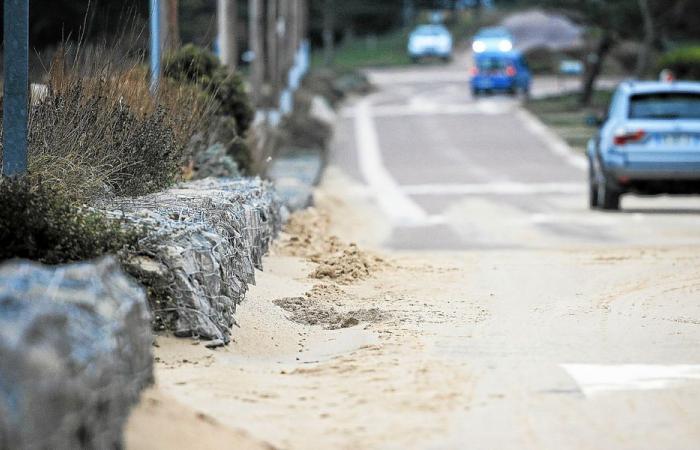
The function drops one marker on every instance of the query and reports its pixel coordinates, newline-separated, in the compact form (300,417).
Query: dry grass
(98,132)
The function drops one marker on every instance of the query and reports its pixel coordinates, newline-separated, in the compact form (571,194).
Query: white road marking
(423,107)
(597,379)
(394,77)
(556,144)
(400,208)
(501,188)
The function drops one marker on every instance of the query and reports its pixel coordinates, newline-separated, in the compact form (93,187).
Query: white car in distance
(430,41)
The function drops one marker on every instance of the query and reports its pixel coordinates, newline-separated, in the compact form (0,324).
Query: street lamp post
(16,87)
(155,13)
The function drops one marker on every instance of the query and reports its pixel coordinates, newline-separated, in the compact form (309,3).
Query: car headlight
(479,47)
(505,45)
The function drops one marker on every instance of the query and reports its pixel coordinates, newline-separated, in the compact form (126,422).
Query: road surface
(454,172)
(503,313)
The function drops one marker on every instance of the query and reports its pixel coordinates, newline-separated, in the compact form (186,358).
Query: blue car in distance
(649,144)
(500,72)
(493,39)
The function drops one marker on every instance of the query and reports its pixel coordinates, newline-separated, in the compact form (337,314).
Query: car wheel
(475,92)
(608,198)
(592,187)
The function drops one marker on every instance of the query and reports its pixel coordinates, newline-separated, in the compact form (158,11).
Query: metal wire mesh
(204,241)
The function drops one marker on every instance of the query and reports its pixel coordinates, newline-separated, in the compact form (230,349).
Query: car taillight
(510,71)
(626,137)
(475,71)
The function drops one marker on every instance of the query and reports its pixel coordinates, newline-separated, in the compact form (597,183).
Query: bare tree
(328,32)
(648,42)
(169,25)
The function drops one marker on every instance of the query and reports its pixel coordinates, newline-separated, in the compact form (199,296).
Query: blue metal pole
(16,87)
(155,45)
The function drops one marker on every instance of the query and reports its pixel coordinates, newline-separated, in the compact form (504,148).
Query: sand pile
(322,305)
(307,235)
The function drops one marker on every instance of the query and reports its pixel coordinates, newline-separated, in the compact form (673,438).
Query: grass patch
(385,50)
(567,117)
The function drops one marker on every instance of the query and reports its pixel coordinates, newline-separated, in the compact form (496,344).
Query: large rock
(75,353)
(205,240)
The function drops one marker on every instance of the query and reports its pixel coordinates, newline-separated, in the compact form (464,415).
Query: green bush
(40,224)
(199,66)
(684,62)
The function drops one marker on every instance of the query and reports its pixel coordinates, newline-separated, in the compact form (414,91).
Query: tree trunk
(328,33)
(169,25)
(272,56)
(647,44)
(226,19)
(594,64)
(256,39)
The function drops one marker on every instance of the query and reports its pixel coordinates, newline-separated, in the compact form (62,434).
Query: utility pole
(256,39)
(155,40)
(226,19)
(16,87)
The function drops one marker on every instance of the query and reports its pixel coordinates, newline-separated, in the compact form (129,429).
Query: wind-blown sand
(432,350)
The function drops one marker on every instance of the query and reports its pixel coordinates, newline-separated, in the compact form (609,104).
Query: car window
(665,105)
(492,63)
(430,31)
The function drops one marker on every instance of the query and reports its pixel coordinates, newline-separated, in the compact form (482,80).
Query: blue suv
(500,72)
(649,144)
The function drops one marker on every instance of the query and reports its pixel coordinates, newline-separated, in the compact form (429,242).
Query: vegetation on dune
(38,222)
(200,67)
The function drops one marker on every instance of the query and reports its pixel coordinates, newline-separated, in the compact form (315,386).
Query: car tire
(592,187)
(608,197)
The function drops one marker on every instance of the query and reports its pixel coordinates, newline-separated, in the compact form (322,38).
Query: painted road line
(399,207)
(554,143)
(501,188)
(419,108)
(594,379)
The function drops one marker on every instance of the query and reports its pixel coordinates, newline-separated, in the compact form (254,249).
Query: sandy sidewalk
(341,348)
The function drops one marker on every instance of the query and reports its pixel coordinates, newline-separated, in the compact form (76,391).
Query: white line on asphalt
(555,144)
(501,188)
(400,208)
(597,379)
(419,107)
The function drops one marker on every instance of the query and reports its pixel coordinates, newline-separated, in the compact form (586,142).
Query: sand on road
(344,346)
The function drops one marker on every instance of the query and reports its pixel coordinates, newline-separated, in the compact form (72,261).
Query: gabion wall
(204,241)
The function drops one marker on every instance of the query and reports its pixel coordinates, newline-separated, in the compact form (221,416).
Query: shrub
(40,224)
(198,66)
(92,146)
(98,132)
(684,62)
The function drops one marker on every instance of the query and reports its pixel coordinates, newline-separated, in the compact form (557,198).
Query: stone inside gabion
(75,353)
(204,241)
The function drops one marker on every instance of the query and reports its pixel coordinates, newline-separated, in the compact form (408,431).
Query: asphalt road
(453,172)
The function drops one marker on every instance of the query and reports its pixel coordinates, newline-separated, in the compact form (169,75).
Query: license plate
(678,140)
